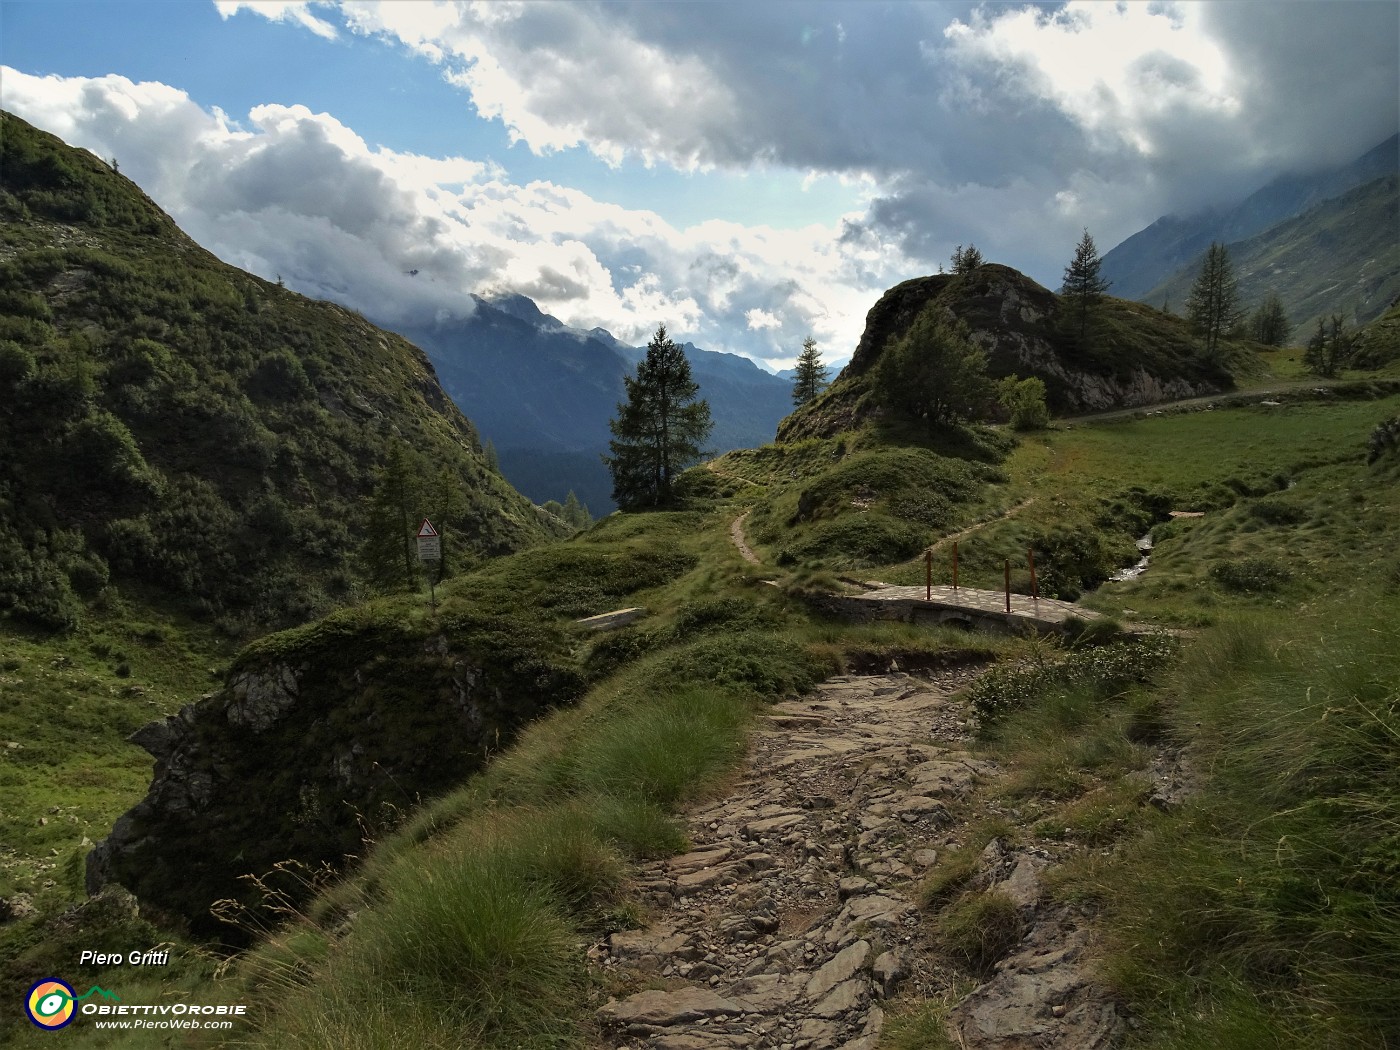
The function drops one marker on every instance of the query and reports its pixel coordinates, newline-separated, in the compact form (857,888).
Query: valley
(377,820)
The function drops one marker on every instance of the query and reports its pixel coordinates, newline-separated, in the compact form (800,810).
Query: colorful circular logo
(50,1003)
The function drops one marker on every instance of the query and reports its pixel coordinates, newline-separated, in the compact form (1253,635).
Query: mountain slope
(173,423)
(1340,256)
(1140,263)
(543,393)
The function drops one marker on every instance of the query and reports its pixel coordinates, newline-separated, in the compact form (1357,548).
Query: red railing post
(1007,566)
(1035,587)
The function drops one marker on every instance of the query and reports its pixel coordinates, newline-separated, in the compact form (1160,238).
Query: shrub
(857,542)
(1253,575)
(1024,399)
(1106,671)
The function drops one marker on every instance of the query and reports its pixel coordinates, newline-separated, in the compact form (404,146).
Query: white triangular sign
(426,529)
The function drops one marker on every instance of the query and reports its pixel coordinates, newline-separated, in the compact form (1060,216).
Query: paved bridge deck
(968,603)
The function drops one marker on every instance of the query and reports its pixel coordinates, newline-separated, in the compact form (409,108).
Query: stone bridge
(961,606)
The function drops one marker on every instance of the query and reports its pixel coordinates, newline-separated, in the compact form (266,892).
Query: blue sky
(747,173)
(376,87)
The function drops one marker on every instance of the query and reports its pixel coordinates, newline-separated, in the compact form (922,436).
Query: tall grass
(1271,908)
(471,917)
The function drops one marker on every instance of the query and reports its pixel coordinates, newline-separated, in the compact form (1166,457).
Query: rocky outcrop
(1139,357)
(320,737)
(792,921)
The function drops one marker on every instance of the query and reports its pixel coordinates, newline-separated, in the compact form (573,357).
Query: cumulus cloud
(1009,126)
(1050,118)
(404,237)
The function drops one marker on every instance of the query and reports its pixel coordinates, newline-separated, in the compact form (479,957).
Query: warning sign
(429,542)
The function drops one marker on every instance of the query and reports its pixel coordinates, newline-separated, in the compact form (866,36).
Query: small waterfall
(1134,571)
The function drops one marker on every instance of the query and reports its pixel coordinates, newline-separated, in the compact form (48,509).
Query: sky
(747,173)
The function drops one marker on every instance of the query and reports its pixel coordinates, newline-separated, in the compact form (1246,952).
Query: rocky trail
(793,921)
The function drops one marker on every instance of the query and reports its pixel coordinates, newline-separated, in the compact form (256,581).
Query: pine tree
(576,513)
(491,457)
(1213,305)
(1269,324)
(389,555)
(1084,287)
(811,374)
(659,430)
(965,260)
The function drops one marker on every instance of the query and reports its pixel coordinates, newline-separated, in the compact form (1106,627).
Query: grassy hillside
(176,426)
(1340,257)
(187,457)
(1283,698)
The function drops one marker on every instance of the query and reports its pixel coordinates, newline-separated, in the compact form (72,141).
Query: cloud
(300,195)
(297,11)
(1009,126)
(1047,117)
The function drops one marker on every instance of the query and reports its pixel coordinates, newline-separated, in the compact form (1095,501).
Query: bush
(1106,671)
(857,542)
(1256,575)
(1024,399)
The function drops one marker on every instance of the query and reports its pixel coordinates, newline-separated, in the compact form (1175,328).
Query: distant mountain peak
(521,307)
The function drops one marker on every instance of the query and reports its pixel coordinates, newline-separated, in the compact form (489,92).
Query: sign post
(430,552)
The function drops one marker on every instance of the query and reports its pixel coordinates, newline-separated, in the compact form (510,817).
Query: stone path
(793,919)
(964,533)
(736,533)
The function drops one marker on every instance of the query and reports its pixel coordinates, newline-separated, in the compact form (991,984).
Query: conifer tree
(811,374)
(388,555)
(576,513)
(965,260)
(1084,287)
(1269,324)
(659,430)
(1213,305)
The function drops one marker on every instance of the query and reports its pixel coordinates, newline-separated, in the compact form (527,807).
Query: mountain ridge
(543,393)
(1139,263)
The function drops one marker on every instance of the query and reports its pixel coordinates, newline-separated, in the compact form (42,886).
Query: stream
(1134,571)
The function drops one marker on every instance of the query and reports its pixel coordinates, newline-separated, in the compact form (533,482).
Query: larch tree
(934,372)
(659,430)
(1084,287)
(811,374)
(1213,307)
(1269,323)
